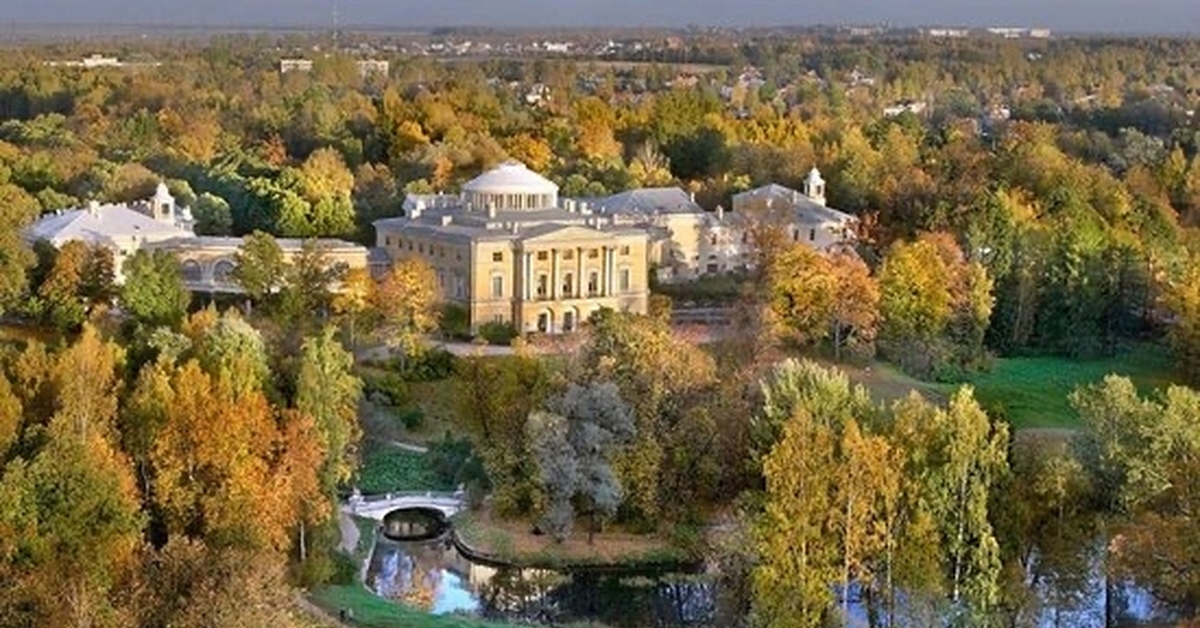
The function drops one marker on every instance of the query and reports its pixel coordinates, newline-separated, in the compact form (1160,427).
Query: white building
(160,224)
(369,67)
(295,65)
(122,228)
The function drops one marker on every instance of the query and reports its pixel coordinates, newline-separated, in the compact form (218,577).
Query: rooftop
(511,177)
(100,224)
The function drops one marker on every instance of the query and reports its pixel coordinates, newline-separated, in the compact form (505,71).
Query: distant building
(295,65)
(369,67)
(159,223)
(908,106)
(950,33)
(89,62)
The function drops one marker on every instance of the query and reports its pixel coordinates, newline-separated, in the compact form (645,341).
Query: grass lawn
(375,612)
(514,541)
(386,469)
(1032,392)
(1029,392)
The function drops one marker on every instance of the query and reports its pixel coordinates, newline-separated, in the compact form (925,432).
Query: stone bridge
(378,506)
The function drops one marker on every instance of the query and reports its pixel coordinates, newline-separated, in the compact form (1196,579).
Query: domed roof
(511,177)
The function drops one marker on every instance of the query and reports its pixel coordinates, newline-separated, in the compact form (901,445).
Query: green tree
(153,291)
(329,392)
(260,267)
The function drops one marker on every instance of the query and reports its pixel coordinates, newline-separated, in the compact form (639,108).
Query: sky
(1141,16)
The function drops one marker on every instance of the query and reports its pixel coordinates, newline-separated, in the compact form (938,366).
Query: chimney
(720,213)
(93,207)
(692,196)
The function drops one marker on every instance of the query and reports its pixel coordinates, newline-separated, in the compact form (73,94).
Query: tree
(154,292)
(935,305)
(496,397)
(407,299)
(311,279)
(352,305)
(573,445)
(973,452)
(796,538)
(328,391)
(59,296)
(1183,300)
(259,266)
(213,215)
(15,255)
(74,503)
(1144,453)
(854,315)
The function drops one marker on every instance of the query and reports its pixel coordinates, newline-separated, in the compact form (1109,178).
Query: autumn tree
(352,305)
(934,304)
(407,299)
(496,397)
(816,297)
(668,381)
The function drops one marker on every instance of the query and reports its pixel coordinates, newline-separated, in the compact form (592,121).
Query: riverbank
(490,539)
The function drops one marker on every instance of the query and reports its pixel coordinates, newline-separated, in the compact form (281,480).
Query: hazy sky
(1175,16)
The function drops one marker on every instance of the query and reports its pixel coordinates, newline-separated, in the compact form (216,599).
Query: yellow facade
(550,282)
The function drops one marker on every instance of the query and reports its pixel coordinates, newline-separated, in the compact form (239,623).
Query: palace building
(509,252)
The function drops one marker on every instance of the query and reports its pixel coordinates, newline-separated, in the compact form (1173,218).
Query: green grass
(386,469)
(375,612)
(1032,392)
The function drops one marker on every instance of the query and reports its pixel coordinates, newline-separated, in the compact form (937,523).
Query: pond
(432,576)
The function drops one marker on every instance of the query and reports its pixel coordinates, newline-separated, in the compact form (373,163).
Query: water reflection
(434,577)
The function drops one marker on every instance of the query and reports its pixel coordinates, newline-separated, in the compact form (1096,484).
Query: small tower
(162,205)
(814,186)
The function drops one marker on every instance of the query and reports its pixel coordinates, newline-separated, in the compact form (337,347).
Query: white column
(612,271)
(579,278)
(528,275)
(554,274)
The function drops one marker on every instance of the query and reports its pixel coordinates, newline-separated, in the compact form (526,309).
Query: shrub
(497,333)
(389,388)
(455,322)
(430,366)
(412,418)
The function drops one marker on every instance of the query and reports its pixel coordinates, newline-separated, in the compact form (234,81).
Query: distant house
(908,106)
(369,67)
(295,65)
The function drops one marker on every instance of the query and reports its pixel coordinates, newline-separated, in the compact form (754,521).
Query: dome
(511,177)
(510,187)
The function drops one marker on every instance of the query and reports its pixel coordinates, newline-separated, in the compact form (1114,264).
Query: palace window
(543,256)
(568,255)
(498,256)
(812,235)
(568,287)
(593,253)
(624,280)
(593,284)
(625,250)
(497,287)
(543,286)
(387,240)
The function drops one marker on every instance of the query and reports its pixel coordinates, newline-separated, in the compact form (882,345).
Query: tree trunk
(303,543)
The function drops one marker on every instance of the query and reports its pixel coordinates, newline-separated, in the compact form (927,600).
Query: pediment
(565,233)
